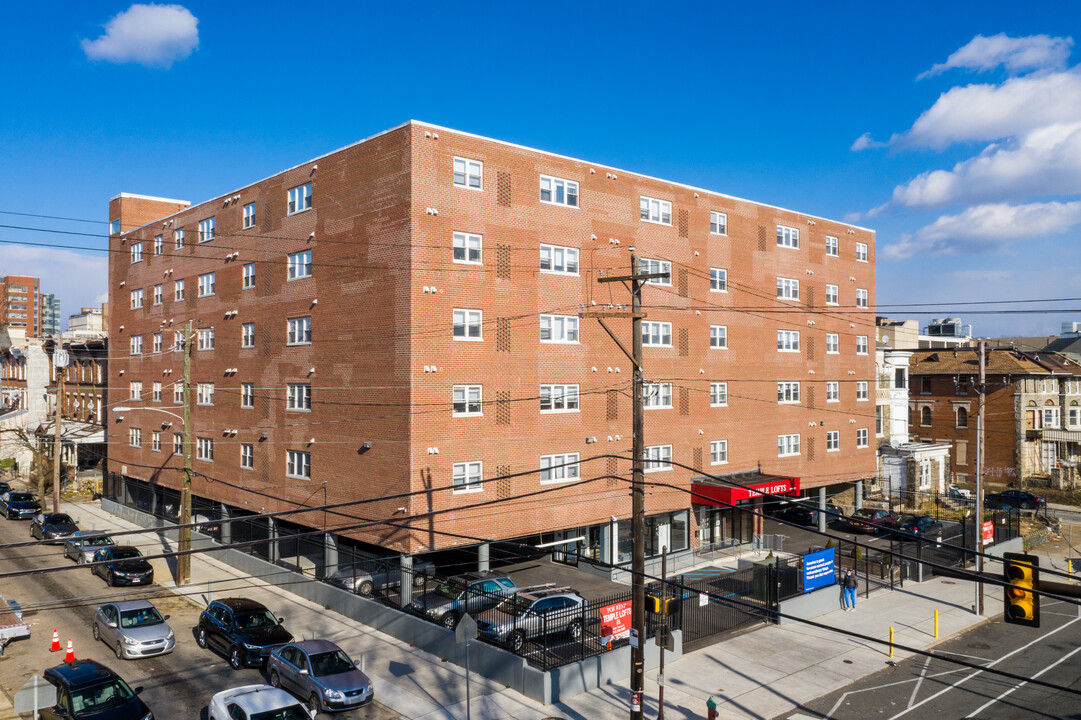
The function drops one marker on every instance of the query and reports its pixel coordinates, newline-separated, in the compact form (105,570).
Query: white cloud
(1035,52)
(986,227)
(866,142)
(150,35)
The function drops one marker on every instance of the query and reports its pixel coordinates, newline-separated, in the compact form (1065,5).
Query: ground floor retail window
(663,530)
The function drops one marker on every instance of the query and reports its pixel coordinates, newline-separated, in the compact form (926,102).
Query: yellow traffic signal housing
(1022,575)
(658,606)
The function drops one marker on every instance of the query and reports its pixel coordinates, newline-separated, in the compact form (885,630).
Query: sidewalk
(758,674)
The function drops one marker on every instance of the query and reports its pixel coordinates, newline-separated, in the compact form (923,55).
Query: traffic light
(656,605)
(1022,573)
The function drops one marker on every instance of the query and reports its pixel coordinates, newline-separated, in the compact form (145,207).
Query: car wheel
(575,629)
(200,638)
(110,579)
(234,658)
(313,703)
(119,650)
(449,621)
(97,633)
(274,679)
(516,640)
(365,588)
(419,580)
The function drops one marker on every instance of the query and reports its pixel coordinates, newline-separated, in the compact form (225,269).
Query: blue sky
(766,101)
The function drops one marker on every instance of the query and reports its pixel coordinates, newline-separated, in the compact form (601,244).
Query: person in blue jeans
(850,591)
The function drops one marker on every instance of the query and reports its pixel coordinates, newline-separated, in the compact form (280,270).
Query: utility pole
(57,446)
(665,630)
(183,559)
(638,490)
(979,475)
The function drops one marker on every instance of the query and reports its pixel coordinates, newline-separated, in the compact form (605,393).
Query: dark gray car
(320,672)
(471,593)
(134,629)
(535,614)
(52,527)
(364,579)
(82,545)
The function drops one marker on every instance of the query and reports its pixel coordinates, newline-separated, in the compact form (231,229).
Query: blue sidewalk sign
(818,570)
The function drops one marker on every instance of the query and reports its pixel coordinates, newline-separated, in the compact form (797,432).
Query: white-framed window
(787,237)
(559,468)
(655,211)
(157,342)
(205,339)
(155,441)
(159,294)
(788,392)
(247,456)
(833,391)
(832,295)
(247,395)
(136,252)
(558,328)
(861,297)
(136,390)
(861,438)
(136,299)
(159,245)
(178,290)
(878,420)
(298,397)
(136,344)
(300,198)
(178,393)
(157,391)
(718,337)
(861,344)
(206,230)
(787,445)
(787,289)
(207,284)
(466,477)
(204,449)
(718,280)
(300,265)
(178,444)
(467,247)
(861,389)
(178,238)
(718,452)
(657,458)
(249,216)
(658,334)
(247,335)
(467,400)
(467,324)
(299,331)
(718,394)
(114,226)
(558,398)
(469,173)
(558,260)
(556,191)
(135,437)
(656,395)
(206,393)
(861,252)
(833,343)
(1052,417)
(298,464)
(718,223)
(249,276)
(1074,417)
(788,341)
(833,440)
(649,267)
(831,246)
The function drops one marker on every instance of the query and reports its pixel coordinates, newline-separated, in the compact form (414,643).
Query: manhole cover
(979,646)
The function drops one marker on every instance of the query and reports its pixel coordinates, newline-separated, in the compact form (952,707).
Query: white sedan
(256,702)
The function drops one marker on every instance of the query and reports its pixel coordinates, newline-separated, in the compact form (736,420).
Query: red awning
(716,492)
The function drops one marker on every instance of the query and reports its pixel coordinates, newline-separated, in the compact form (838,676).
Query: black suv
(472,592)
(88,689)
(244,630)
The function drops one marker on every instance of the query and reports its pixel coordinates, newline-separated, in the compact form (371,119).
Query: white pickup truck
(11,623)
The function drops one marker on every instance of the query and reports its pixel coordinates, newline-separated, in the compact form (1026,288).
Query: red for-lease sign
(988,532)
(616,620)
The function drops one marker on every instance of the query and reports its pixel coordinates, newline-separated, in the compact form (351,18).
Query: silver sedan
(133,629)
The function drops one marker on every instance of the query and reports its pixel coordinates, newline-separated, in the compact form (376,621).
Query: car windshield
(60,519)
(97,541)
(293,712)
(21,497)
(140,618)
(864,514)
(330,663)
(515,605)
(255,620)
(126,553)
(449,589)
(100,697)
(908,520)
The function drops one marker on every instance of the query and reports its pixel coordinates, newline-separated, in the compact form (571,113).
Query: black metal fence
(717,604)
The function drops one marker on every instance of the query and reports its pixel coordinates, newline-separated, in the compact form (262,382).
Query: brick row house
(396,324)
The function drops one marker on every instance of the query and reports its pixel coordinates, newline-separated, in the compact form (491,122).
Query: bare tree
(42,465)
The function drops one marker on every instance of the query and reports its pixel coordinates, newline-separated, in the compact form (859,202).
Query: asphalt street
(177,685)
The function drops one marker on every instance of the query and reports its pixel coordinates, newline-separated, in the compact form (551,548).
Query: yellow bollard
(936,623)
(891,640)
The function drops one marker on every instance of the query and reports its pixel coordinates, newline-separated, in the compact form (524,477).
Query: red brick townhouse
(398,320)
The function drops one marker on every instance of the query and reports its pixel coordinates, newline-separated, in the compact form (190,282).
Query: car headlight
(253,648)
(169,636)
(148,716)
(130,641)
(330,694)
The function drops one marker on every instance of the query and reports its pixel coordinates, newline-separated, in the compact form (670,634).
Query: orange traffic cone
(70,654)
(55,647)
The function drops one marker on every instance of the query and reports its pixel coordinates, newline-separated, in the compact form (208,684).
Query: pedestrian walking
(850,591)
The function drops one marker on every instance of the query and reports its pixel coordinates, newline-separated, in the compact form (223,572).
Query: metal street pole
(979,476)
(56,434)
(638,503)
(183,559)
(664,621)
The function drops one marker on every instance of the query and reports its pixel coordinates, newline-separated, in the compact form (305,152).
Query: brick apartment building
(20,303)
(399,319)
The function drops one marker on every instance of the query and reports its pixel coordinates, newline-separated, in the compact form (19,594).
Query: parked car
(134,629)
(122,565)
(4,487)
(52,527)
(869,520)
(472,593)
(532,614)
(19,505)
(88,689)
(256,702)
(959,493)
(82,545)
(243,630)
(1008,499)
(321,672)
(365,580)
(916,525)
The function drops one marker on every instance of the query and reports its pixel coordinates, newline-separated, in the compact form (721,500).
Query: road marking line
(923,671)
(987,704)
